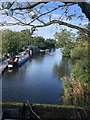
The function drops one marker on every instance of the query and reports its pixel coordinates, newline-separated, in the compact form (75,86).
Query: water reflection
(74,91)
(36,80)
(64,67)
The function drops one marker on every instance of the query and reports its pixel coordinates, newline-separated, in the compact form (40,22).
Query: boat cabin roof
(20,54)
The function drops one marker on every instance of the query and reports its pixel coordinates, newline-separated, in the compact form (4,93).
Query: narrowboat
(18,60)
(33,50)
(24,56)
(44,51)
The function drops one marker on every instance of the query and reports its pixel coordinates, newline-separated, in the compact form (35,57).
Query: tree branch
(30,6)
(51,11)
(64,23)
(85,31)
(27,7)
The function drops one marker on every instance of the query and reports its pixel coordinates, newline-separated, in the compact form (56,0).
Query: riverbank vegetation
(14,42)
(75,47)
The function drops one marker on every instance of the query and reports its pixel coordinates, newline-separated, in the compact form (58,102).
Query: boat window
(19,59)
(15,60)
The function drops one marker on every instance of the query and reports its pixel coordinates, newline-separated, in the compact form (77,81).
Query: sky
(49,32)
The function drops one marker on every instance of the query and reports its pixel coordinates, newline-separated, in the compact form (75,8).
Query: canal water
(37,80)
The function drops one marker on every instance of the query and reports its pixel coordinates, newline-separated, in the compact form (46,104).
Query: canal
(37,80)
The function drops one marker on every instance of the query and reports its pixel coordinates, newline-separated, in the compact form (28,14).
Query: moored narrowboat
(18,59)
(22,57)
(33,50)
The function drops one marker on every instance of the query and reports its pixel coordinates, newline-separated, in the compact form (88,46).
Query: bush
(80,71)
(80,50)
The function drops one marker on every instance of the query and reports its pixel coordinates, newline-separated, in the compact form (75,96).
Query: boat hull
(13,64)
(23,57)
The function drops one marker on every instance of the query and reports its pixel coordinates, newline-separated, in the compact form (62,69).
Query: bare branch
(29,12)
(27,7)
(47,24)
(51,11)
(64,23)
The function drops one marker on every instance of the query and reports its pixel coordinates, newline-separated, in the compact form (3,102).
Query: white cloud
(56,16)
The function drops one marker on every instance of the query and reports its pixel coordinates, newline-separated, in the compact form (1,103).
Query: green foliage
(66,84)
(65,41)
(64,37)
(38,41)
(14,41)
(80,71)
(67,49)
(80,49)
(75,89)
(42,43)
(50,43)
(9,41)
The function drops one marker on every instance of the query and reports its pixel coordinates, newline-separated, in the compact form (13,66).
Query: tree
(80,71)
(38,41)
(75,88)
(25,38)
(64,37)
(66,41)
(14,41)
(28,13)
(50,44)
(10,41)
(80,50)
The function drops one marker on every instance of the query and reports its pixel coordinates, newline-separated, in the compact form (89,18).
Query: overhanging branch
(51,11)
(84,30)
(27,7)
(63,23)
